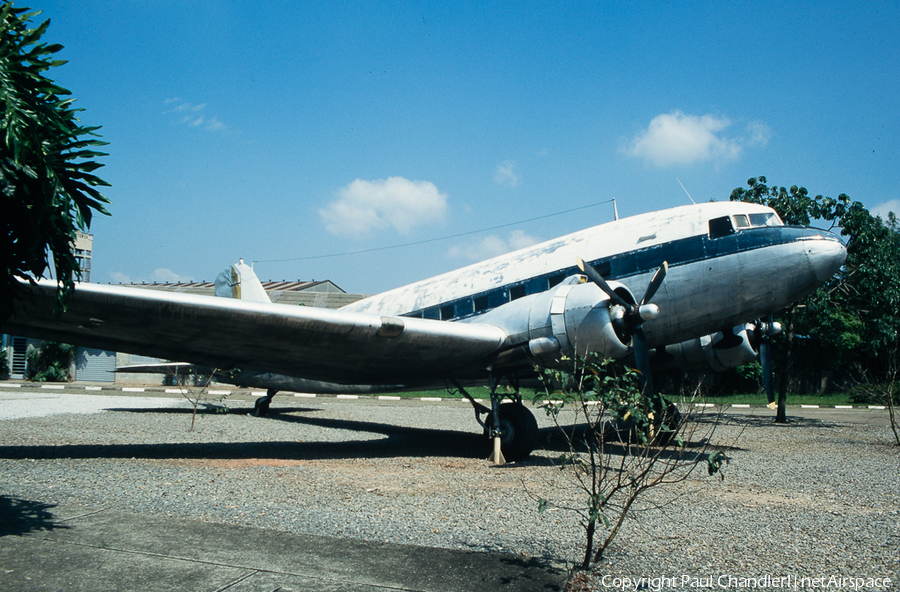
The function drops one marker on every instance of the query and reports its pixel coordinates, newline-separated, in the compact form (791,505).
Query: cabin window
(556,280)
(741,221)
(517,292)
(498,298)
(603,268)
(481,303)
(719,227)
(432,312)
(446,312)
(767,219)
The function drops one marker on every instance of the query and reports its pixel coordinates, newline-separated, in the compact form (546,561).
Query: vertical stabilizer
(240,281)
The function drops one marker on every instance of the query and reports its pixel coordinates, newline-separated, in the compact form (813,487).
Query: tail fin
(240,281)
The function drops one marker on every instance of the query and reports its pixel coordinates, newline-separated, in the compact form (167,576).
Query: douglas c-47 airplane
(711,270)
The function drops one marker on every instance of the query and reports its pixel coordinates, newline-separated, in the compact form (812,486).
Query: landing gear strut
(261,407)
(517,431)
(510,427)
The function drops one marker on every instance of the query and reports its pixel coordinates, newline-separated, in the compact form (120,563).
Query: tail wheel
(518,431)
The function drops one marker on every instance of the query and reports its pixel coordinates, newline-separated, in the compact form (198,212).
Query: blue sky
(275,131)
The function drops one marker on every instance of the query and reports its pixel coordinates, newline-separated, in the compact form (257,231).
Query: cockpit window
(741,221)
(719,227)
(767,219)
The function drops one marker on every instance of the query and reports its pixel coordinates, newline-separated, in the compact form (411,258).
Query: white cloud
(677,138)
(117,277)
(192,115)
(759,134)
(364,206)
(163,274)
(882,209)
(505,174)
(491,246)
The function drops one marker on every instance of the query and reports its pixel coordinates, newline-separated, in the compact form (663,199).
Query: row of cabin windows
(488,300)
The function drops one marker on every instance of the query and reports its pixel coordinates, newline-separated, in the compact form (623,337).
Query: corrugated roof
(320,294)
(282,285)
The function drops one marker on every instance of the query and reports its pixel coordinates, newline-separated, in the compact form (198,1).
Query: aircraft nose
(826,254)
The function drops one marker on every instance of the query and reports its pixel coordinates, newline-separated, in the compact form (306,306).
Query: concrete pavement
(45,547)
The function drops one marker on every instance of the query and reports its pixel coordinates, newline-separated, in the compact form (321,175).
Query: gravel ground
(811,499)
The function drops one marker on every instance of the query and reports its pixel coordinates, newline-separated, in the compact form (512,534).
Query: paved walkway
(70,548)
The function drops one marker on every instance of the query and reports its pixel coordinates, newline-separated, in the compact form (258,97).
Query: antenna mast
(686,191)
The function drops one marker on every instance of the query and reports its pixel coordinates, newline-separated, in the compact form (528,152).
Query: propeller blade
(656,282)
(595,277)
(642,361)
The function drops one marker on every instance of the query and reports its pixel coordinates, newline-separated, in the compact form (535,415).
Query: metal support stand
(493,430)
(496,456)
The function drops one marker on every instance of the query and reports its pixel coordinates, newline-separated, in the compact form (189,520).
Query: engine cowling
(709,353)
(582,320)
(574,317)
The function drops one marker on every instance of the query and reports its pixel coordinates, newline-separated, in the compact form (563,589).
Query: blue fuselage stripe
(617,267)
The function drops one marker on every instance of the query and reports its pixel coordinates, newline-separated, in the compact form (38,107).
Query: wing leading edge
(305,342)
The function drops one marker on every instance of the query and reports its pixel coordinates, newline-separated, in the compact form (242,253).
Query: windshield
(767,219)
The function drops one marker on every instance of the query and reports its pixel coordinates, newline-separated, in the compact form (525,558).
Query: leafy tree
(47,187)
(616,449)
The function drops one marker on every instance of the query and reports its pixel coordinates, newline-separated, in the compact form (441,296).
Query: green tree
(47,187)
(616,449)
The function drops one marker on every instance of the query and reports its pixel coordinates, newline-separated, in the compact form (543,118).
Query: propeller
(632,317)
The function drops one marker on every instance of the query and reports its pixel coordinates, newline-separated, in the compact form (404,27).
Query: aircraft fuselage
(729,263)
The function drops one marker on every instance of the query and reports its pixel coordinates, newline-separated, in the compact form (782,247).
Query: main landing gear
(261,407)
(510,427)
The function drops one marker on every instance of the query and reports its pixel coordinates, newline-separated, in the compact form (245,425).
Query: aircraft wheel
(261,407)
(673,419)
(518,431)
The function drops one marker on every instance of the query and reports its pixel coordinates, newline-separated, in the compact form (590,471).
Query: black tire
(261,407)
(518,431)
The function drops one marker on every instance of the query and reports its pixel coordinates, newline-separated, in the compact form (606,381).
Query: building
(84,248)
(17,347)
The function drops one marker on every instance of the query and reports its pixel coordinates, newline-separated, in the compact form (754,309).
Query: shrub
(50,362)
(875,393)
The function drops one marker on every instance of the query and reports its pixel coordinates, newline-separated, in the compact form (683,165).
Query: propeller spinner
(633,317)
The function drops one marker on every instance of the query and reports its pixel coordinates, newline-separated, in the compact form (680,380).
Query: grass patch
(756,399)
(741,399)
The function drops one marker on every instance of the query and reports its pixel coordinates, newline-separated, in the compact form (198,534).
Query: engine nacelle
(710,353)
(574,317)
(582,320)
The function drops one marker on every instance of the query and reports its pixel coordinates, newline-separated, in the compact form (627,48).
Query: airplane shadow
(20,516)
(396,441)
(554,440)
(763,421)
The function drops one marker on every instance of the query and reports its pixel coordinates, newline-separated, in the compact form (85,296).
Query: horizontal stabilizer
(172,368)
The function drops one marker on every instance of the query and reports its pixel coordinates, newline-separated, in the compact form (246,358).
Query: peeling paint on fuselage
(545,258)
(700,296)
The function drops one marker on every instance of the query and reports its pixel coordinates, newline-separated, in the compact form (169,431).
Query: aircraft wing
(305,342)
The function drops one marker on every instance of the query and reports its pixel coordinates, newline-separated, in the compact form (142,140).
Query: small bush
(4,365)
(50,362)
(875,393)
